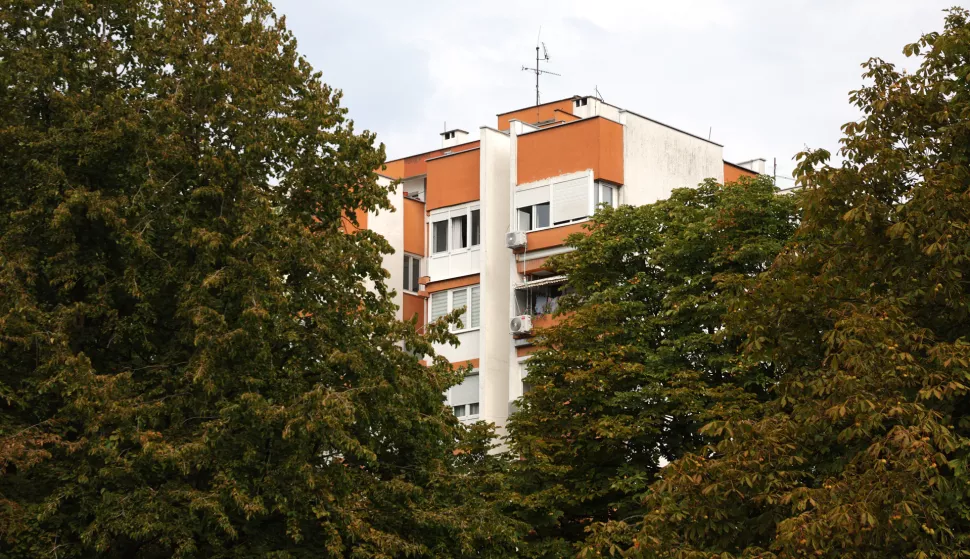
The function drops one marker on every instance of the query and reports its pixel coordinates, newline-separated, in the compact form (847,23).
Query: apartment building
(476,221)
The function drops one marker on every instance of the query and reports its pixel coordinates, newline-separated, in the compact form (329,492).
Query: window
(476,307)
(440,236)
(463,398)
(439,305)
(459,232)
(412,272)
(455,229)
(459,299)
(444,302)
(604,194)
(476,227)
(534,217)
(545,299)
(580,102)
(570,200)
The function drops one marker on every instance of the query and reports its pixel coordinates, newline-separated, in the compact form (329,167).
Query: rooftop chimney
(453,138)
(756,165)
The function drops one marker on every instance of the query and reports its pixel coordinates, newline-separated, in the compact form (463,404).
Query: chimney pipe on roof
(454,137)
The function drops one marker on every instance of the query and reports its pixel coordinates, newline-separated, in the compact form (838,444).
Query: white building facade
(476,221)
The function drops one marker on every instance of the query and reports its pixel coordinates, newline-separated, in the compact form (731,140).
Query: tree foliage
(639,363)
(862,451)
(191,364)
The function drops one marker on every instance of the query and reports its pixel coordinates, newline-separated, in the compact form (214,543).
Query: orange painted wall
(532,265)
(348,225)
(536,114)
(548,238)
(473,362)
(393,169)
(416,165)
(413,226)
(733,172)
(453,283)
(592,143)
(453,180)
(548,320)
(413,305)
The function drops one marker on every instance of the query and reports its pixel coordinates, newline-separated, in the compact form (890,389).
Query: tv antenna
(537,70)
(598,94)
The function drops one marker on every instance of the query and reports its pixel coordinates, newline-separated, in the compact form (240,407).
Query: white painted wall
(658,158)
(496,197)
(470,345)
(454,263)
(595,107)
(390,225)
(415,184)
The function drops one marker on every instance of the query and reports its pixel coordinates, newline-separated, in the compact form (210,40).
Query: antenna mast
(537,70)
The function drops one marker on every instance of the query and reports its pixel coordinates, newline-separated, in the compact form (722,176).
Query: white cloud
(766,77)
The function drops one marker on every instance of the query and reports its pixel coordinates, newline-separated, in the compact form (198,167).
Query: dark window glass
(407,273)
(459,232)
(415,273)
(440,234)
(542,215)
(476,227)
(525,218)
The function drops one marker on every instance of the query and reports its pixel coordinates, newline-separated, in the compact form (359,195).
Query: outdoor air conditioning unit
(515,239)
(521,324)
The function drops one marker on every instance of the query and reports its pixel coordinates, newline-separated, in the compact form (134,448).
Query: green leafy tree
(862,451)
(639,363)
(191,364)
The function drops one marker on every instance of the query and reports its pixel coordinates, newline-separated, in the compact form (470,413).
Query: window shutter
(460,299)
(531,196)
(466,392)
(439,305)
(476,310)
(570,200)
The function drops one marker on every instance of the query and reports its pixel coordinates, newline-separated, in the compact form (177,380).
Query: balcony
(593,143)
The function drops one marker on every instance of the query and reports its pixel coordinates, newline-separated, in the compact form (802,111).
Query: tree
(638,363)
(192,365)
(862,450)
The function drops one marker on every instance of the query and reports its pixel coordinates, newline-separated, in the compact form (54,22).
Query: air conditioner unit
(521,324)
(515,239)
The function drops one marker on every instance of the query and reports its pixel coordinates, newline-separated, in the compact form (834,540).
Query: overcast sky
(765,77)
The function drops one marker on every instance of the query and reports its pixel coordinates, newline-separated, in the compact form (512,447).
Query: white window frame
(533,207)
(434,245)
(446,216)
(450,294)
(414,260)
(466,408)
(598,194)
(547,184)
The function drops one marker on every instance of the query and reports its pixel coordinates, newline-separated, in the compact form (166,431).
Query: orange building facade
(478,219)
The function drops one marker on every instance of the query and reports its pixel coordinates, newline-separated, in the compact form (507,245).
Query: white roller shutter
(531,196)
(460,300)
(476,305)
(570,200)
(439,305)
(466,392)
